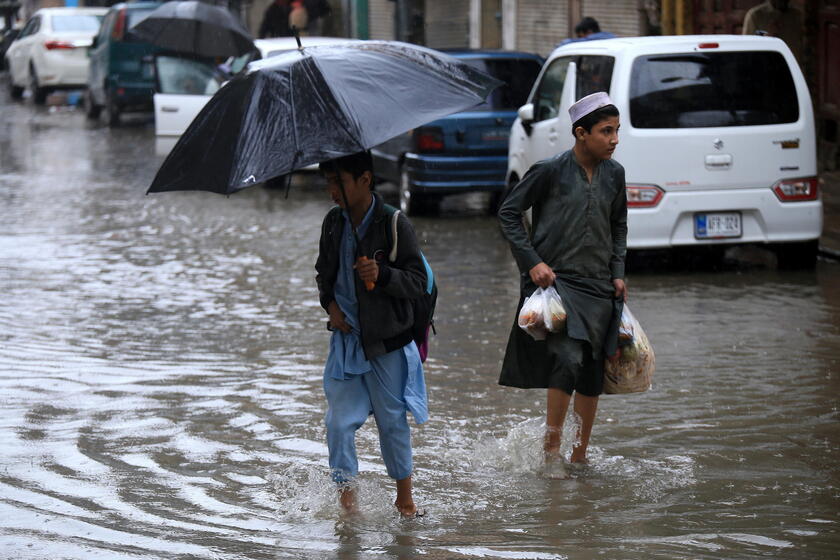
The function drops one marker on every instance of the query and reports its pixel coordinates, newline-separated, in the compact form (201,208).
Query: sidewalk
(830,240)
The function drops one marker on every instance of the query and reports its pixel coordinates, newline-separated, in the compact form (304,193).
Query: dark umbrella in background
(195,28)
(315,104)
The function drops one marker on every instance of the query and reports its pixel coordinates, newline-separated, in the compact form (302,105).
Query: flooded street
(161,365)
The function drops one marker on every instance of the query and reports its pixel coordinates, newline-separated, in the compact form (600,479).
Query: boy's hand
(337,318)
(368,271)
(620,289)
(542,275)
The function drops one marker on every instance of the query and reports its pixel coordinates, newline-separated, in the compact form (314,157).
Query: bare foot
(554,467)
(407,509)
(347,499)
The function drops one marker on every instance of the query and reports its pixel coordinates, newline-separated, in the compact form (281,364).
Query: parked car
(717,138)
(185,84)
(121,77)
(465,152)
(51,51)
(6,38)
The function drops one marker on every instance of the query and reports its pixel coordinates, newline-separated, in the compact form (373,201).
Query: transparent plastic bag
(542,313)
(632,371)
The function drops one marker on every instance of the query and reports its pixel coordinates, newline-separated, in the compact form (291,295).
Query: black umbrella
(315,104)
(195,28)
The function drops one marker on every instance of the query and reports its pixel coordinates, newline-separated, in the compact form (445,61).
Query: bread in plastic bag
(542,313)
(632,371)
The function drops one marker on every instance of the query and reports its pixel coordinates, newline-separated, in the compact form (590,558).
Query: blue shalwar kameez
(387,386)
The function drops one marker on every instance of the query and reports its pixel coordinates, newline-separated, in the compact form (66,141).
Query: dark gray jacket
(385,313)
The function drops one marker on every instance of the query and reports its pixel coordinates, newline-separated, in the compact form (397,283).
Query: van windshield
(696,90)
(518,75)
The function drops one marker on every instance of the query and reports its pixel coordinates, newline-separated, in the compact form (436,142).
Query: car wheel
(92,110)
(39,94)
(797,256)
(111,110)
(413,203)
(16,92)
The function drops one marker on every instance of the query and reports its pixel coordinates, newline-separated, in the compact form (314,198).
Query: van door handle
(718,161)
(168,109)
(552,135)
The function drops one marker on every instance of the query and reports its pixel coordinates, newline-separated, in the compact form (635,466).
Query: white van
(717,137)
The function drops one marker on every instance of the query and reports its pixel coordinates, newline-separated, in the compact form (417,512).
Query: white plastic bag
(542,313)
(632,371)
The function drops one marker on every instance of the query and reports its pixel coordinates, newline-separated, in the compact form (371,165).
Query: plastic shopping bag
(632,371)
(542,313)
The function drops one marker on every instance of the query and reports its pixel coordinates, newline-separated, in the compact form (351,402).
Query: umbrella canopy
(316,104)
(195,28)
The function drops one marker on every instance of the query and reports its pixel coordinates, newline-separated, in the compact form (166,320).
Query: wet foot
(555,467)
(409,509)
(347,499)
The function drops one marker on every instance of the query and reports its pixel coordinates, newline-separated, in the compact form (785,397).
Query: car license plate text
(717,225)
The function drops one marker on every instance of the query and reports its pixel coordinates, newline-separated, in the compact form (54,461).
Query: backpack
(424,306)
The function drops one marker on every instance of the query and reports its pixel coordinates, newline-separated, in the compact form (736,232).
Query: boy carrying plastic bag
(632,370)
(542,313)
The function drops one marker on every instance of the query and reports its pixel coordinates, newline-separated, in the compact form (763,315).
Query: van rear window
(696,90)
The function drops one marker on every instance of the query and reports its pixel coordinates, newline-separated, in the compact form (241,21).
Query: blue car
(464,152)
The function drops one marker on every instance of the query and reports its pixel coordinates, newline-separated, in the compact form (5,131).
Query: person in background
(777,18)
(275,21)
(577,243)
(587,29)
(373,366)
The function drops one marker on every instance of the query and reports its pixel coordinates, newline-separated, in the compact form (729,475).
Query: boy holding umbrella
(373,365)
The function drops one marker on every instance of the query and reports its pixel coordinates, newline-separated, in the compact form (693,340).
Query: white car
(184,85)
(51,51)
(717,138)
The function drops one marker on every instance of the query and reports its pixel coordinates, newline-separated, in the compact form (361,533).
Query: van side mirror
(526,117)
(526,113)
(94,42)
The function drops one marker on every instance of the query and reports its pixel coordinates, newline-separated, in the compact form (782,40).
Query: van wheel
(92,110)
(111,110)
(39,94)
(797,256)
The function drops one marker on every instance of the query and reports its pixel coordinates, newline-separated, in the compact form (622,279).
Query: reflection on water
(161,365)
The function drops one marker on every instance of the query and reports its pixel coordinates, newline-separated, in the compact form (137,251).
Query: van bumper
(764,219)
(456,174)
(134,96)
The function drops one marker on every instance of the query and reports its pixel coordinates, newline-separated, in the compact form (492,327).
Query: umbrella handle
(368,285)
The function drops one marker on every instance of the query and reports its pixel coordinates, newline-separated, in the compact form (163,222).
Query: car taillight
(428,139)
(643,196)
(708,46)
(118,32)
(53,45)
(796,190)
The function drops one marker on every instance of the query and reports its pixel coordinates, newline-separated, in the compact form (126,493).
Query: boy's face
(357,190)
(601,141)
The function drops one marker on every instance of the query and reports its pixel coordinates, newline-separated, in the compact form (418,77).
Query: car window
(697,90)
(186,76)
(547,97)
(518,75)
(75,22)
(30,28)
(594,73)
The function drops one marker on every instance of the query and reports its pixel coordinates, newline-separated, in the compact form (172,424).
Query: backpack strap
(392,256)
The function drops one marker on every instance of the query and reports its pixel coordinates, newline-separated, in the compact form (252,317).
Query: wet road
(161,361)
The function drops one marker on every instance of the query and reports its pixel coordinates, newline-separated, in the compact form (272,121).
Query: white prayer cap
(588,104)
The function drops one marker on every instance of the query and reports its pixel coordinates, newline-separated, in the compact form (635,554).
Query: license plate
(717,225)
(495,134)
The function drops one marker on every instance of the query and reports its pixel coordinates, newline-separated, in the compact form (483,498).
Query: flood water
(160,371)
